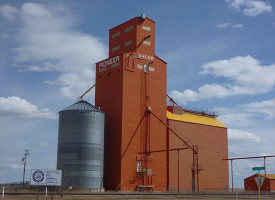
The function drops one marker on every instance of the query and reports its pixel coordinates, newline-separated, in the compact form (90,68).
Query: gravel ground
(135,197)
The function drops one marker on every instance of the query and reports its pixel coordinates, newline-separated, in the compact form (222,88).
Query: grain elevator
(147,144)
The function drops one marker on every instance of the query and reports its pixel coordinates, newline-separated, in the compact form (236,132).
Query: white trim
(146,28)
(146,42)
(139,66)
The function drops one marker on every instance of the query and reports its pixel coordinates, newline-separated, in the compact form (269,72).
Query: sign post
(43,177)
(260,179)
(3,193)
(52,194)
(37,192)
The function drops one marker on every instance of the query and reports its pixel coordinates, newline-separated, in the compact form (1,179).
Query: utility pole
(24,160)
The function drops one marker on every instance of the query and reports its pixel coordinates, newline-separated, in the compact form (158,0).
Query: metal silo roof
(82,105)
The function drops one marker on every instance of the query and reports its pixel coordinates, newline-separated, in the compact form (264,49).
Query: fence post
(3,193)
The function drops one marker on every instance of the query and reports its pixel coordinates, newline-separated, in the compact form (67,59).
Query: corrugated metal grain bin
(80,151)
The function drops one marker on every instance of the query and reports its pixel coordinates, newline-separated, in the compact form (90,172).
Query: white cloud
(14,166)
(242,136)
(48,42)
(255,8)
(250,8)
(10,166)
(72,83)
(235,4)
(242,71)
(244,115)
(229,25)
(43,144)
(224,25)
(21,108)
(264,107)
(8,11)
(36,68)
(204,92)
(238,26)
(237,119)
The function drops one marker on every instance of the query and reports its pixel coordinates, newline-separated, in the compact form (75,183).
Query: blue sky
(220,57)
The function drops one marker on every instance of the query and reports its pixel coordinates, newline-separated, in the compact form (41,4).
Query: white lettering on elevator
(108,62)
(144,56)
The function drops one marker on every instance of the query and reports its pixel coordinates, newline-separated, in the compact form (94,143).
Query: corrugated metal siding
(196,119)
(81,146)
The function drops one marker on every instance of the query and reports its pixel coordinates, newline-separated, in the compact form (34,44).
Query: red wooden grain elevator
(135,81)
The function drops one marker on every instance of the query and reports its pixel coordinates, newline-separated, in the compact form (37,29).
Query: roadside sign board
(257,168)
(257,181)
(46,177)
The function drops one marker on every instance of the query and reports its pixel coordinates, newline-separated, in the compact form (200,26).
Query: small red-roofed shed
(268,184)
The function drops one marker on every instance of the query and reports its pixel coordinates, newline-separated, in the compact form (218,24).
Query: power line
(24,160)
